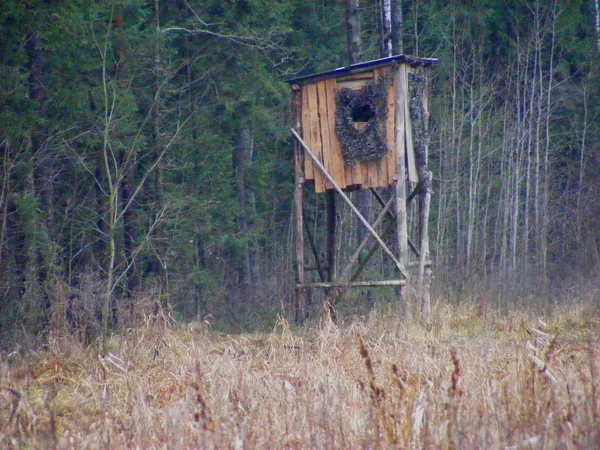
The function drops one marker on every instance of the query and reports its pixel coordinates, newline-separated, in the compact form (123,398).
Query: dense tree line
(146,157)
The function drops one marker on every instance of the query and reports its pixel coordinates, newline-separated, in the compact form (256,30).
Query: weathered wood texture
(402,120)
(343,284)
(300,298)
(318,115)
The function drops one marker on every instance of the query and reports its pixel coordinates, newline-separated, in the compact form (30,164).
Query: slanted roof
(412,60)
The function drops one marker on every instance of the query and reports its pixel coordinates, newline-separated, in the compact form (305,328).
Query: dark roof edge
(413,60)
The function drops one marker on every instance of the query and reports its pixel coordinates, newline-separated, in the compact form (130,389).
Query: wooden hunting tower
(364,127)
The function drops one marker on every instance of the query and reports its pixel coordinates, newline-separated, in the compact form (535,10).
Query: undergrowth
(479,378)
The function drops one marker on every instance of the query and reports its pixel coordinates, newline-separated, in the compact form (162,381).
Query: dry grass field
(478,379)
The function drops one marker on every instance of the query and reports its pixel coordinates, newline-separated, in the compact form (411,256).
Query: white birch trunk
(386,28)
(597,8)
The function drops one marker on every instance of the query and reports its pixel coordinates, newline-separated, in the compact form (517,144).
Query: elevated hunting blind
(363,127)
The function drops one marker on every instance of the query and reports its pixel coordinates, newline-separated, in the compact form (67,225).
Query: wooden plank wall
(410,153)
(318,131)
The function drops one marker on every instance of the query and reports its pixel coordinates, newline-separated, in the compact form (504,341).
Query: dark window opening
(362,113)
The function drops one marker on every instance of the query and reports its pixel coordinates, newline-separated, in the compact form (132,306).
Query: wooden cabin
(348,118)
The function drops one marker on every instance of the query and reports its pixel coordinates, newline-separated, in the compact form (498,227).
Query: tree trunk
(112,192)
(130,226)
(129,231)
(397,27)
(597,9)
(12,258)
(544,216)
(126,184)
(5,176)
(385,27)
(40,262)
(125,187)
(159,144)
(242,160)
(353,31)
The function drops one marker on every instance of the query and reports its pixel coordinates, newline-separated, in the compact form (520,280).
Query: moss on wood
(368,144)
(420,125)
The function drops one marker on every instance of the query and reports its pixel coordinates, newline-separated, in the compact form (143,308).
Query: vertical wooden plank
(314,141)
(357,174)
(426,90)
(327,157)
(410,151)
(391,134)
(339,172)
(309,173)
(375,167)
(401,212)
(382,164)
(348,171)
(298,219)
(356,170)
(389,163)
(362,167)
(377,171)
(364,174)
(372,175)
(400,100)
(426,72)
(382,171)
(349,179)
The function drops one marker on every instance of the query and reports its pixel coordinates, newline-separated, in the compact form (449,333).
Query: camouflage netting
(369,144)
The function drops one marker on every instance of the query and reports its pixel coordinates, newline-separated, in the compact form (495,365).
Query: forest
(147,156)
(149,218)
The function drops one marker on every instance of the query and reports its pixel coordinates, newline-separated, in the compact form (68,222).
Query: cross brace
(364,221)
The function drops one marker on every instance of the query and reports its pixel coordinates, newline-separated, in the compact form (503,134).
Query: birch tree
(597,23)
(397,27)
(120,156)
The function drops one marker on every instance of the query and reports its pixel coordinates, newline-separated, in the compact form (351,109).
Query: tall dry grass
(478,379)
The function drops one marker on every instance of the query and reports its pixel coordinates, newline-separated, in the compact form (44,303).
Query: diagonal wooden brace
(392,216)
(354,258)
(364,221)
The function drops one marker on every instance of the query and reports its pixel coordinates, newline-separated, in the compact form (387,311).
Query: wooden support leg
(402,226)
(401,214)
(331,246)
(425,274)
(331,225)
(300,305)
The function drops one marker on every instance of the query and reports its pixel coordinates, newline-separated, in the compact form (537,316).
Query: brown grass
(478,379)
